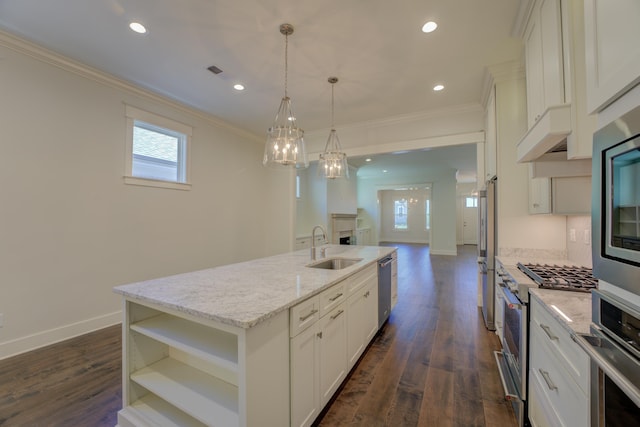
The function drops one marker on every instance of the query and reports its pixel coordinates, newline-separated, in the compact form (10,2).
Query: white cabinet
(612,50)
(544,60)
(362,311)
(333,352)
(305,377)
(560,196)
(558,373)
(185,371)
(363,236)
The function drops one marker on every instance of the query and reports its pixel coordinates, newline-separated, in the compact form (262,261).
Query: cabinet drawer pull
(335,316)
(336,297)
(311,313)
(547,330)
(547,379)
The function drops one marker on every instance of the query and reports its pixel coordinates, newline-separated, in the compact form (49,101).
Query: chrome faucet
(313,240)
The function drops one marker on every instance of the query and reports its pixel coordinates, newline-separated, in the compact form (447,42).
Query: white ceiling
(386,65)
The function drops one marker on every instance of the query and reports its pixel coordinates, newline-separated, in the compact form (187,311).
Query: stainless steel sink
(335,263)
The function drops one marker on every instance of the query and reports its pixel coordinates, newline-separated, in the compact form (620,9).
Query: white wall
(72,230)
(443,179)
(416,231)
(516,228)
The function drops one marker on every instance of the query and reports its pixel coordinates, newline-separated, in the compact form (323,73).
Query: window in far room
(157,151)
(400,217)
(427,212)
(471,202)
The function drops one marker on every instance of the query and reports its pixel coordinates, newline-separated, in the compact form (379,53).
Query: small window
(427,210)
(157,151)
(471,202)
(400,216)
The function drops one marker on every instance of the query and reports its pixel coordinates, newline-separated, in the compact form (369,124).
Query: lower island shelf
(184,371)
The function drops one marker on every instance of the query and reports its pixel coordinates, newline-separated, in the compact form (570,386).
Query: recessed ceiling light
(384,171)
(138,27)
(438,88)
(367,159)
(429,27)
(238,86)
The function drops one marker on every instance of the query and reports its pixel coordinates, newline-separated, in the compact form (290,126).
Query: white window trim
(134,114)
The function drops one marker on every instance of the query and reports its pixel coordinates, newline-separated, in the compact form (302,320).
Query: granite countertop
(575,305)
(248,293)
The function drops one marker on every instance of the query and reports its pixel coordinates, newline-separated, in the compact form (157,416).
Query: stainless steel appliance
(616,202)
(384,290)
(614,349)
(487,243)
(513,360)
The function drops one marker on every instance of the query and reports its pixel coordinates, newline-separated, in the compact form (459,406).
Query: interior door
(470,220)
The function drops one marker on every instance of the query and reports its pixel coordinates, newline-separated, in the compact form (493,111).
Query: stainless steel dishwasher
(384,290)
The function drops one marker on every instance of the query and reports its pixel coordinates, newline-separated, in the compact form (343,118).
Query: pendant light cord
(332,124)
(286,63)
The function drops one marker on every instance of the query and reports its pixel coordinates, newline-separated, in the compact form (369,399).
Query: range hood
(556,165)
(548,134)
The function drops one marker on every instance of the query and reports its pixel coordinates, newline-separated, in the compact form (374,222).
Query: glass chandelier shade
(333,161)
(285,143)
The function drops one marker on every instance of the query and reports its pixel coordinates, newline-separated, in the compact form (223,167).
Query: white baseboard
(443,252)
(52,336)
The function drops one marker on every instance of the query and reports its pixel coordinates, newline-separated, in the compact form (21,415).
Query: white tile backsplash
(579,240)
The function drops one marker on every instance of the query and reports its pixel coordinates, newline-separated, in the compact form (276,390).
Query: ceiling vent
(214,69)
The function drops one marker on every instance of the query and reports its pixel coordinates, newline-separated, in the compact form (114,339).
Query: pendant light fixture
(285,145)
(333,161)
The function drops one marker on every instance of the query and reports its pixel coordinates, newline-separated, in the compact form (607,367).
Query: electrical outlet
(572,234)
(587,236)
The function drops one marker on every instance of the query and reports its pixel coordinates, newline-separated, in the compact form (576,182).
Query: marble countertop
(248,293)
(575,305)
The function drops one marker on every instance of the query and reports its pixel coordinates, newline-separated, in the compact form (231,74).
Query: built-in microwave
(616,202)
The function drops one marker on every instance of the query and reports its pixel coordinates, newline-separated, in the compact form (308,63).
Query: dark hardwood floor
(431,365)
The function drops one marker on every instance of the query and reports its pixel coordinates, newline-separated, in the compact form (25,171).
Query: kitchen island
(215,346)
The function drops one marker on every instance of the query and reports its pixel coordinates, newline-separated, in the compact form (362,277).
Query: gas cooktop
(563,277)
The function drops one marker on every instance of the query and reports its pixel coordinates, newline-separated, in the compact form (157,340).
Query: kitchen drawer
(554,397)
(303,315)
(573,358)
(359,279)
(332,297)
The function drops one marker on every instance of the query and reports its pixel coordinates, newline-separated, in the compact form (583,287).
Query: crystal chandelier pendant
(285,143)
(333,161)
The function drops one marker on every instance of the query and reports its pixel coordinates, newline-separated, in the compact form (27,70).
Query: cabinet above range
(553,35)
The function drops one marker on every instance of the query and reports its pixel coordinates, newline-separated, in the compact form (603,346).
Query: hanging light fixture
(333,161)
(285,145)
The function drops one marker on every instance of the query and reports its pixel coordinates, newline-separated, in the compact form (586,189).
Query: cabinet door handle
(547,379)
(319,334)
(311,313)
(335,316)
(547,330)
(336,297)
(367,294)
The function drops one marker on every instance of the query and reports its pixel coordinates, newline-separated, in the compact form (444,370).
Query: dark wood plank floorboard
(444,373)
(431,365)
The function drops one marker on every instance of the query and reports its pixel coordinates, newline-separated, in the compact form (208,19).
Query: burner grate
(563,277)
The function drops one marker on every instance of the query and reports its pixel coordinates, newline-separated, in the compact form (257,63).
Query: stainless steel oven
(614,349)
(512,360)
(616,202)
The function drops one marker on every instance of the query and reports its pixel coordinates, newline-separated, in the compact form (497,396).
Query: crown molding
(41,54)
(522,17)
